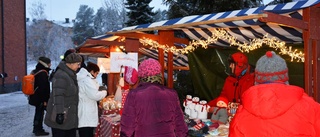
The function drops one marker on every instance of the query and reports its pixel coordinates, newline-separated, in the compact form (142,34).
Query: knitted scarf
(152,79)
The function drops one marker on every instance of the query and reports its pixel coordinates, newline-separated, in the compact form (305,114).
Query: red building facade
(12,44)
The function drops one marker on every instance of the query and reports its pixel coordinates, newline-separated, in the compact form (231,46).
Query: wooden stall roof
(294,22)
(283,22)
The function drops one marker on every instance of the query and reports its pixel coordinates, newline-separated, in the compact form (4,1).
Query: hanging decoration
(224,35)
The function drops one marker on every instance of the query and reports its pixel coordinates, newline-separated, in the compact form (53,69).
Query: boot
(41,133)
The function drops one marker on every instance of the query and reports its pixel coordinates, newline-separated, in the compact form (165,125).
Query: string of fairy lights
(224,35)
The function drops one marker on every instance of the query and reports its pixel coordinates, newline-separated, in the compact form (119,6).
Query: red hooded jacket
(239,81)
(276,110)
(232,91)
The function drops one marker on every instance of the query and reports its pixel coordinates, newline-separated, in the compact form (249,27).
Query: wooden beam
(307,55)
(132,45)
(113,78)
(93,50)
(139,35)
(150,36)
(256,16)
(161,59)
(181,40)
(284,21)
(167,37)
(102,42)
(315,68)
(315,36)
(178,68)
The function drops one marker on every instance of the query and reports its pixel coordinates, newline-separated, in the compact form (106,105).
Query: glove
(42,106)
(102,88)
(60,118)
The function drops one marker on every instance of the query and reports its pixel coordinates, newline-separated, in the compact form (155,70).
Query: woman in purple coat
(152,109)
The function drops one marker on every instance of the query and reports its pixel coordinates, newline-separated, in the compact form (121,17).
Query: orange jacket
(276,110)
(228,90)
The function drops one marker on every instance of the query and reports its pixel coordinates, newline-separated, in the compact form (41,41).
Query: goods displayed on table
(207,128)
(196,117)
(186,103)
(220,111)
(232,108)
(111,108)
(192,107)
(109,122)
(202,109)
(109,126)
(195,108)
(109,103)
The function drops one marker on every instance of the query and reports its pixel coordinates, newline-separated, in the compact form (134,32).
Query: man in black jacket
(41,95)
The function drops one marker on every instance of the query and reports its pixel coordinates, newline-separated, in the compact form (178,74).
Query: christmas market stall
(290,29)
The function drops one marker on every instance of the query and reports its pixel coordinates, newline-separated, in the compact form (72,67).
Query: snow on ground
(12,100)
(16,116)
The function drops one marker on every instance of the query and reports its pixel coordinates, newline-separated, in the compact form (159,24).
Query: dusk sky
(60,9)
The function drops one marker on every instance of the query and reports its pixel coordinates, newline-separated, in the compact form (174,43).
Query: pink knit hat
(130,75)
(149,67)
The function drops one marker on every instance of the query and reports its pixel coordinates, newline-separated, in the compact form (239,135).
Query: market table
(109,124)
(209,128)
(222,131)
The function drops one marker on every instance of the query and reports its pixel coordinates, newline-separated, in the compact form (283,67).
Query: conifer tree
(83,25)
(182,8)
(139,12)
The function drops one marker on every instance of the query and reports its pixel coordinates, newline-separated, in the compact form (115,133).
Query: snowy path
(16,116)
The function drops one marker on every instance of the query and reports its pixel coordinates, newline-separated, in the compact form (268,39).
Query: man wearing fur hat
(152,109)
(273,108)
(62,108)
(41,95)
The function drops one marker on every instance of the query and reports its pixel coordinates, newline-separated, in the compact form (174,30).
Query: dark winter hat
(44,61)
(68,52)
(73,58)
(271,68)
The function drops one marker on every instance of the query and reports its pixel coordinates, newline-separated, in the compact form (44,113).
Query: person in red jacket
(272,107)
(240,79)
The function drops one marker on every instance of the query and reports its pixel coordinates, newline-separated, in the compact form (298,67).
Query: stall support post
(167,37)
(311,38)
(113,78)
